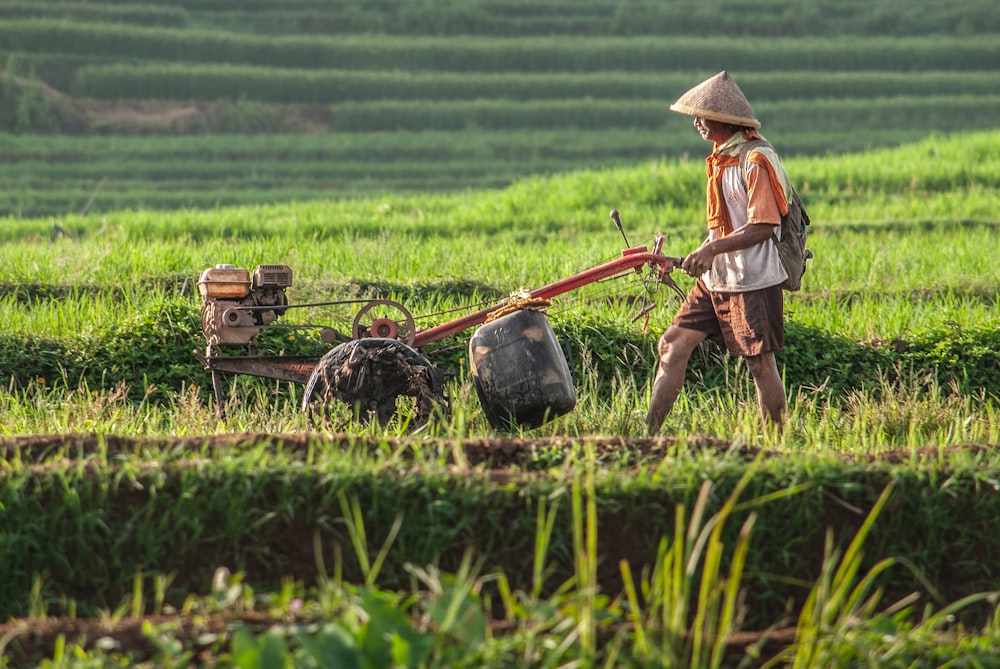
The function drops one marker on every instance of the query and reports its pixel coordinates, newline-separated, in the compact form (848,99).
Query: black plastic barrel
(520,371)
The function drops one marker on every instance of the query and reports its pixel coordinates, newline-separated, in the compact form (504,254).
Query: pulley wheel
(384,319)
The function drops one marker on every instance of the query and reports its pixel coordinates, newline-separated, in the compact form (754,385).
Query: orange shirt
(764,193)
(767,196)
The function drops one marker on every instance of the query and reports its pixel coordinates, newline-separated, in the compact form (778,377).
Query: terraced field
(443,156)
(173,104)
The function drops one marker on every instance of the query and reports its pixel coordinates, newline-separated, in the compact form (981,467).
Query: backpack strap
(745,149)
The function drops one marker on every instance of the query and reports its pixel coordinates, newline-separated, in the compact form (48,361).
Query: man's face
(712,131)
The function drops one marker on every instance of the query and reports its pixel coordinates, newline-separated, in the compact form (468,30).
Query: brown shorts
(747,323)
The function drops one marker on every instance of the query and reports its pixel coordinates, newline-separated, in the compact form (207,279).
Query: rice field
(891,369)
(176,104)
(404,152)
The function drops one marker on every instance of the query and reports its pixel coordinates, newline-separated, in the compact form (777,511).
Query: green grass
(122,492)
(477,53)
(888,303)
(518,18)
(60,176)
(351,99)
(331,86)
(189,508)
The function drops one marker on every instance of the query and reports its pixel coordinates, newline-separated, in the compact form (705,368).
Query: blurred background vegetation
(181,103)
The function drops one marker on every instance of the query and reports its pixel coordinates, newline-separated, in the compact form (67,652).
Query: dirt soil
(84,116)
(500,457)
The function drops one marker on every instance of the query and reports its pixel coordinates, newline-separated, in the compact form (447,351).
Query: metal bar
(632,258)
(297,306)
(296,369)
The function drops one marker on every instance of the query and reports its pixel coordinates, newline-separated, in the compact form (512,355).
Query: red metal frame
(632,258)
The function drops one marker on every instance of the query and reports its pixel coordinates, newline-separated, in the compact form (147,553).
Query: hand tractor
(517,365)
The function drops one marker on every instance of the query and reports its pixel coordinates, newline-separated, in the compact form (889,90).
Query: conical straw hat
(718,99)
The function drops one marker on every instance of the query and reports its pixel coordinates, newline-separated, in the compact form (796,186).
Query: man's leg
(675,349)
(770,391)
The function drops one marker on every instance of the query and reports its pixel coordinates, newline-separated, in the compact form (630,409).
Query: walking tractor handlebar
(632,260)
(238,305)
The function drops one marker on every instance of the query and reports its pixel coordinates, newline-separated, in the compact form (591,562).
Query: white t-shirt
(747,269)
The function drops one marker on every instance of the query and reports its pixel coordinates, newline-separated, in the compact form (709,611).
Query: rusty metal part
(224,322)
(402,327)
(294,368)
(237,304)
(369,375)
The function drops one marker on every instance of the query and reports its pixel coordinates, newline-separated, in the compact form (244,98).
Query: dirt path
(83,116)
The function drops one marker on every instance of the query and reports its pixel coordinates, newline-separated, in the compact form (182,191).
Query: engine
(237,303)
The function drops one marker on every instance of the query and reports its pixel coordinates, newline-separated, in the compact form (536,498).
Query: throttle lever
(618,223)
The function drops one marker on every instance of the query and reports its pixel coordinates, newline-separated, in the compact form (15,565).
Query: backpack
(794,228)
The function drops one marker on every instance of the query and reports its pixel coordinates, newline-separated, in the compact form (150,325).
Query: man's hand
(697,262)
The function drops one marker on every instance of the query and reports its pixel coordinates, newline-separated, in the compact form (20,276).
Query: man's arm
(697,262)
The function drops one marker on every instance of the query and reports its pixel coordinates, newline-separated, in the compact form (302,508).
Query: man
(737,299)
